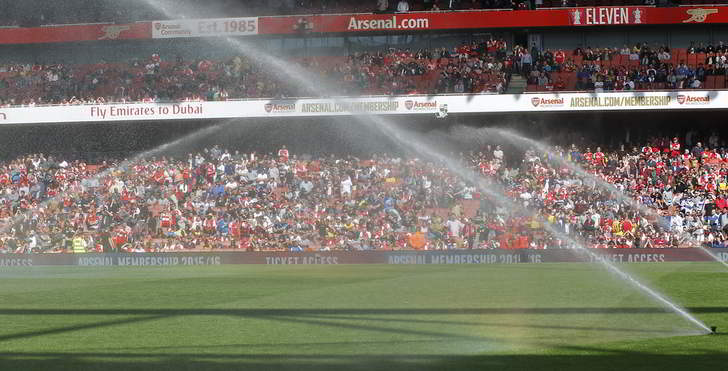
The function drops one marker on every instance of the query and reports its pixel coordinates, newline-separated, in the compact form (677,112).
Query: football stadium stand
(217,199)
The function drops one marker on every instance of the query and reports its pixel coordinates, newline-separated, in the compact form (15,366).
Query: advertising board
(381,105)
(205,27)
(365,257)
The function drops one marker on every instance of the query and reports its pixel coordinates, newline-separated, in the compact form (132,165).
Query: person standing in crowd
(403,6)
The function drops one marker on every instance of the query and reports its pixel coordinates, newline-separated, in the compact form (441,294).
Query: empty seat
(720,82)
(710,82)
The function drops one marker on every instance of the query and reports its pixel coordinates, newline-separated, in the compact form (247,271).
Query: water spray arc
(603,185)
(300,77)
(653,294)
(123,166)
(498,194)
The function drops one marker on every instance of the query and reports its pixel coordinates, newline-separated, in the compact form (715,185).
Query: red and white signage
(547,102)
(691,99)
(607,16)
(70,33)
(477,19)
(205,27)
(361,23)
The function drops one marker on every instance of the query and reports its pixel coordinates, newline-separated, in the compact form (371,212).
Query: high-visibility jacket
(417,240)
(79,245)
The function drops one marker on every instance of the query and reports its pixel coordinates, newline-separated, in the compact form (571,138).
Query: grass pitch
(503,317)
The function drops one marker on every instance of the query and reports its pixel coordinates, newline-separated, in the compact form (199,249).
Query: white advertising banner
(205,27)
(401,105)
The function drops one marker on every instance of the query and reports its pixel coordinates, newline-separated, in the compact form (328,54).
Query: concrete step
(517,85)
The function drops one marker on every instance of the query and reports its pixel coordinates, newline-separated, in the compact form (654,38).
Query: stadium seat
(673,58)
(720,82)
(692,60)
(681,53)
(710,82)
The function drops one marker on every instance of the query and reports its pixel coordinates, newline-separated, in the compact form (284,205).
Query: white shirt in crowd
(455,226)
(498,154)
(346,186)
(403,6)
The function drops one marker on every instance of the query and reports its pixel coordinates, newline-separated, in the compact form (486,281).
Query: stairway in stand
(517,85)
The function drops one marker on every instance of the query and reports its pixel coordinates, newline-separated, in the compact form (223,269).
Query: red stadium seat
(720,82)
(692,60)
(673,58)
(680,53)
(710,82)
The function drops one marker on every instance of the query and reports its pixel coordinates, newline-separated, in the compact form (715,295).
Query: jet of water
(302,79)
(495,190)
(522,142)
(612,268)
(18,218)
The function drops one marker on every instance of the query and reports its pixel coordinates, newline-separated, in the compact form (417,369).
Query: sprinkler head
(714,330)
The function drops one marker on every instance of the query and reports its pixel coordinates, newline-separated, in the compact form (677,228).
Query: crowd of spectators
(640,67)
(220,199)
(477,67)
(483,66)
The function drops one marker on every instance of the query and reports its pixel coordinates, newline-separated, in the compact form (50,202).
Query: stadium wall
(363,257)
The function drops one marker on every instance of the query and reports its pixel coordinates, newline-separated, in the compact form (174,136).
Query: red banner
(419,21)
(590,16)
(71,33)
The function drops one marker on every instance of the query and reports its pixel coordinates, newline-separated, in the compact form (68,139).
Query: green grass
(500,317)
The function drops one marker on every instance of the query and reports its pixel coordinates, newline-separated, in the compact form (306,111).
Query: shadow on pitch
(334,317)
(207,358)
(349,311)
(498,324)
(84,326)
(605,360)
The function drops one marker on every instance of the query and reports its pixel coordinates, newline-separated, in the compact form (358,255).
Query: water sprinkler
(713,330)
(442,113)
